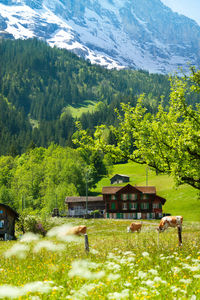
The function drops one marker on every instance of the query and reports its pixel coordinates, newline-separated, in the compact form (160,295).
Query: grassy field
(181,200)
(120,265)
(88,106)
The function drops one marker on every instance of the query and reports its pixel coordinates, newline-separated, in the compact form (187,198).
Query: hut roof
(83,199)
(9,208)
(120,175)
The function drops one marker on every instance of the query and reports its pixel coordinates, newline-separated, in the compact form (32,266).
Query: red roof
(142,189)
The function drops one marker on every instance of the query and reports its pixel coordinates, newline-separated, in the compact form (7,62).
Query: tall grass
(118,266)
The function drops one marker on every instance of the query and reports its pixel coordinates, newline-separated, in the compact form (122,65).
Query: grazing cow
(77,230)
(134,227)
(170,221)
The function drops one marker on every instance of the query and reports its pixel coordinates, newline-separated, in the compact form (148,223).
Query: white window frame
(144,205)
(156,205)
(124,205)
(133,197)
(133,206)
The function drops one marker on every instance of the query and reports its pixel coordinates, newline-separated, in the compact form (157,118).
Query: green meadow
(119,265)
(87,106)
(182,200)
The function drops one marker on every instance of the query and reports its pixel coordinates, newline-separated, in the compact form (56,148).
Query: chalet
(77,205)
(132,202)
(119,178)
(7,222)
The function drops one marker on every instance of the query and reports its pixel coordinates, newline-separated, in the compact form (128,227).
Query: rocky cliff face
(138,34)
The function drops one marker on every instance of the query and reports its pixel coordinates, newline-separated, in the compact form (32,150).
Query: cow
(77,230)
(134,227)
(170,221)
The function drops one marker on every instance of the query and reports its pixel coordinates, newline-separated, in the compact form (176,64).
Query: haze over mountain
(139,34)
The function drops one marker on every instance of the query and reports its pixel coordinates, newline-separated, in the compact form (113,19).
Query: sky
(189,8)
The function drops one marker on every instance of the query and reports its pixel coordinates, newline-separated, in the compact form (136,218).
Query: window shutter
(112,205)
(121,196)
(147,205)
(127,196)
(160,205)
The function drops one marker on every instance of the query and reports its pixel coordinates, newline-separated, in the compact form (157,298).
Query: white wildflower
(93,251)
(196,276)
(8,291)
(158,279)
(185,281)
(174,289)
(29,237)
(112,266)
(81,268)
(18,250)
(61,233)
(127,284)
(193,297)
(113,257)
(123,295)
(144,291)
(82,293)
(142,274)
(188,257)
(37,286)
(145,254)
(153,271)
(48,246)
(175,269)
(129,253)
(130,259)
(113,276)
(148,282)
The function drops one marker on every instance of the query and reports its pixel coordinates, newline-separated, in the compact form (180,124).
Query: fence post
(180,235)
(86,243)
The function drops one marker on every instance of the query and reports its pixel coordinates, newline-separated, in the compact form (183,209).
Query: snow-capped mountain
(141,34)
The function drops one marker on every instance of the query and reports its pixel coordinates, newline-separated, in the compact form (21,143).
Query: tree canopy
(40,179)
(168,140)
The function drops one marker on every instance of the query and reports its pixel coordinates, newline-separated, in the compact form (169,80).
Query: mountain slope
(139,34)
(40,83)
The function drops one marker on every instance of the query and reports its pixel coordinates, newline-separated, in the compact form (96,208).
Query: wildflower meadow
(119,265)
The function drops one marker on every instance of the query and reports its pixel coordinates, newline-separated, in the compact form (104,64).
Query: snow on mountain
(139,34)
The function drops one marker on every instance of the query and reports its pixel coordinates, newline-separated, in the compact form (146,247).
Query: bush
(31,223)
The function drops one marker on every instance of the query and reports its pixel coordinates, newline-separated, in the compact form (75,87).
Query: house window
(113,206)
(133,206)
(155,205)
(124,197)
(145,196)
(144,205)
(124,206)
(1,223)
(113,197)
(133,197)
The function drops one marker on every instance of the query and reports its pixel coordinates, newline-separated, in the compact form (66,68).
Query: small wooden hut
(7,222)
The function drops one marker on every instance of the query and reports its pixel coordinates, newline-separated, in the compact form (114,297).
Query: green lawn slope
(182,200)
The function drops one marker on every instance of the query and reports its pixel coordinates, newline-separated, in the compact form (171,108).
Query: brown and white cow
(170,221)
(134,227)
(77,230)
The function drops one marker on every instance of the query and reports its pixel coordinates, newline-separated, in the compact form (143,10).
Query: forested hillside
(38,83)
